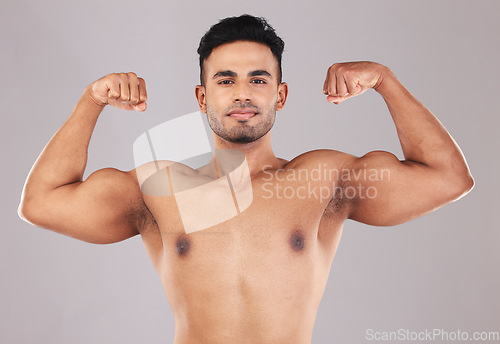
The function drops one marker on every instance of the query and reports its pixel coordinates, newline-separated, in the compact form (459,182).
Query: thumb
(357,89)
(335,99)
(140,107)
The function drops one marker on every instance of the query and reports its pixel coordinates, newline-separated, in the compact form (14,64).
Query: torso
(255,277)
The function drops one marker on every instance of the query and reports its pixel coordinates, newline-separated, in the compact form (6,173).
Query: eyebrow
(260,72)
(230,73)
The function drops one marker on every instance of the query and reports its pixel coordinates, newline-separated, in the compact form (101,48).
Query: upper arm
(389,191)
(105,208)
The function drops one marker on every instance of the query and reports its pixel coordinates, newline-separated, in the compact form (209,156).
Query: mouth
(242,114)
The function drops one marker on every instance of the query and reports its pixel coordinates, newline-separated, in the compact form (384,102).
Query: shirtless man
(259,276)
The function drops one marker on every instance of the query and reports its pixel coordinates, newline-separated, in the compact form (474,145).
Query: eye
(258,81)
(225,82)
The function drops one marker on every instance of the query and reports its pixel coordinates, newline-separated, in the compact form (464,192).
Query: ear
(199,92)
(282,95)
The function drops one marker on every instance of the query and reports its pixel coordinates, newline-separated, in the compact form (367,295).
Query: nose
(242,93)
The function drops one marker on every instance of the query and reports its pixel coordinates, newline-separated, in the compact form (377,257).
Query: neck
(259,154)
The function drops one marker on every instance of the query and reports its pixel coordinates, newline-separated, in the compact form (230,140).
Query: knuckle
(111,77)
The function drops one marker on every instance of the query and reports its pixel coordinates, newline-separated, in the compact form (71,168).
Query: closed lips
(242,113)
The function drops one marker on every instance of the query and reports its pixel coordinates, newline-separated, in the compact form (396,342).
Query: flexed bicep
(388,191)
(103,209)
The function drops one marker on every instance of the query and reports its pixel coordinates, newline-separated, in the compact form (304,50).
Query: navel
(182,245)
(297,241)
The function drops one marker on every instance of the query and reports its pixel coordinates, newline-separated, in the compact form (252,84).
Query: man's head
(241,90)
(243,28)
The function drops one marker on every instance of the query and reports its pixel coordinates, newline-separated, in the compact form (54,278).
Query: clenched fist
(349,79)
(124,91)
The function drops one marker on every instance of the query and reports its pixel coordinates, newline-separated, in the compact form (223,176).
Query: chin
(244,139)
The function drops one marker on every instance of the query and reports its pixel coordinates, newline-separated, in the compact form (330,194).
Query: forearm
(423,138)
(64,158)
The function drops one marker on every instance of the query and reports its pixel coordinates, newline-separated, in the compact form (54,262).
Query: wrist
(87,106)
(386,80)
(88,94)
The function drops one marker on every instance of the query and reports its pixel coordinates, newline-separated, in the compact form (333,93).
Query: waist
(243,327)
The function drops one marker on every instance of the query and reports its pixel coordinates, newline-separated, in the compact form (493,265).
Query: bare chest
(277,250)
(234,223)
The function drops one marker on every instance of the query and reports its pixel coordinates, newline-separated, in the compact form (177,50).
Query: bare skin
(257,277)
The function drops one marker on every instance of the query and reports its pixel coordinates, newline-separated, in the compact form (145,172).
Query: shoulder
(144,171)
(325,158)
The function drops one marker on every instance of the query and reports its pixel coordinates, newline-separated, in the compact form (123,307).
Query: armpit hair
(142,216)
(339,204)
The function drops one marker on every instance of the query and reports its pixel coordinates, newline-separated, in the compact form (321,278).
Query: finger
(341,84)
(143,94)
(124,88)
(133,83)
(329,87)
(142,105)
(325,85)
(332,84)
(113,85)
(335,99)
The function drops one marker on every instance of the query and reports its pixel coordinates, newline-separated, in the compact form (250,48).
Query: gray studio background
(440,271)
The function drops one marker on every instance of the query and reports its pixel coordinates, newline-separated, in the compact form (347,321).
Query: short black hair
(243,28)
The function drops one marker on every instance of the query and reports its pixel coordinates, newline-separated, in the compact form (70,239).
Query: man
(260,275)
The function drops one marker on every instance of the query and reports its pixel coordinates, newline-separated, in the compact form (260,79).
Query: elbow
(29,212)
(468,183)
(456,178)
(25,212)
(462,185)
(26,208)
(32,206)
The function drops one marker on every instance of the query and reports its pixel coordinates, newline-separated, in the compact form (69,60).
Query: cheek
(270,99)
(216,98)
(267,95)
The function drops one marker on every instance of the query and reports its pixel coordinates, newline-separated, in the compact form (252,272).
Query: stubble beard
(242,132)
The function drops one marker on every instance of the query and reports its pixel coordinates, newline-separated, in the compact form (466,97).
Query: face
(242,91)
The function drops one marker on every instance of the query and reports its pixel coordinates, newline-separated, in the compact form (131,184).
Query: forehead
(241,57)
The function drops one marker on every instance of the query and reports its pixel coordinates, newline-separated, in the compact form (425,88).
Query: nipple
(297,241)
(182,245)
